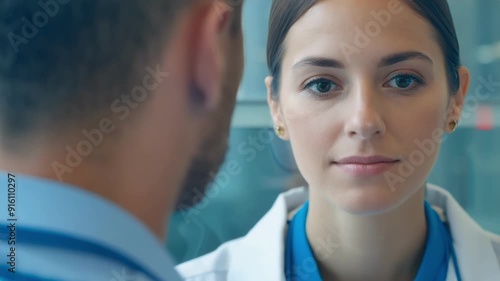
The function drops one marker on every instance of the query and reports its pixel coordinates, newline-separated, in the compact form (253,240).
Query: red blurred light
(484,118)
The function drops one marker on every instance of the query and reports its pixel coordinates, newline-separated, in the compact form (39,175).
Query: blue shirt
(300,264)
(52,231)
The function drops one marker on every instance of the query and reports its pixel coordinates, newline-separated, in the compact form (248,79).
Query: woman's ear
(276,112)
(457,100)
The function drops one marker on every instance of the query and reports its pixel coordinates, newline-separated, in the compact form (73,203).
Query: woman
(364,91)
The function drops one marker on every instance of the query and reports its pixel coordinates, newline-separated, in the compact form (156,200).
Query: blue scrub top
(300,264)
(66,233)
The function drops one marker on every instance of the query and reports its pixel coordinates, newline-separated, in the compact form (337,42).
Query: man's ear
(207,55)
(457,100)
(276,112)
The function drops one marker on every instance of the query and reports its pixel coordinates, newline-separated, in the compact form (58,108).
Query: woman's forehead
(345,29)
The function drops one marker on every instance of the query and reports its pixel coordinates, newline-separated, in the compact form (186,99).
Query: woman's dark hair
(437,12)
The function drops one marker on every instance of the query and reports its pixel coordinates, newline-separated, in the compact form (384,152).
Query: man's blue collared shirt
(52,231)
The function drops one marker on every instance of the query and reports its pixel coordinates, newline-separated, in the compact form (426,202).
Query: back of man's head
(109,95)
(65,61)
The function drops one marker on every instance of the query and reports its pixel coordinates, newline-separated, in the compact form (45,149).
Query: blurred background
(259,166)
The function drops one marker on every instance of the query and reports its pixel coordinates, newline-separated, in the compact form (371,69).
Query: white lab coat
(259,256)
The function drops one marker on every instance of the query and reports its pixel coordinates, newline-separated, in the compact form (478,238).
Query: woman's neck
(349,247)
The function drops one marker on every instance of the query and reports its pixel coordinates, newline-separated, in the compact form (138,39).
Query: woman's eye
(321,86)
(404,81)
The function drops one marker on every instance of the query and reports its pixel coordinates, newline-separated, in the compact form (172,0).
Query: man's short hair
(63,62)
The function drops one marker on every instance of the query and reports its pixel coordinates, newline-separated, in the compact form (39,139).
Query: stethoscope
(32,236)
(453,255)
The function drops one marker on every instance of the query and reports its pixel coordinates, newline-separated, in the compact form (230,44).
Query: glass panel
(255,23)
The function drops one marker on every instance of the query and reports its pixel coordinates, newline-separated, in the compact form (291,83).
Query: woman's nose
(364,121)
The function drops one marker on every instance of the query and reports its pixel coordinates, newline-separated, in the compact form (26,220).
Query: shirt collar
(300,263)
(51,206)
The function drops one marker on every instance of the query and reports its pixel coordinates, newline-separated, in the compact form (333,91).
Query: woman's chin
(370,200)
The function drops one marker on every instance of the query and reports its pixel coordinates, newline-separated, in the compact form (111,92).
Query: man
(215,130)
(102,106)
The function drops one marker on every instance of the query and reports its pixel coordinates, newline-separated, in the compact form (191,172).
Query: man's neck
(103,179)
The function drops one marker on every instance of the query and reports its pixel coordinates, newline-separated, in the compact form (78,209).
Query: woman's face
(366,80)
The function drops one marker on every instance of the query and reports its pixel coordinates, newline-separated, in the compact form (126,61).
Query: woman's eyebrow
(399,57)
(318,61)
(385,61)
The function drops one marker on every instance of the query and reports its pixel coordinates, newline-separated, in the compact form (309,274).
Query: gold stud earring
(453,125)
(280,131)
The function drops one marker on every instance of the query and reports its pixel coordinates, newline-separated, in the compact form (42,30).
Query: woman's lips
(362,166)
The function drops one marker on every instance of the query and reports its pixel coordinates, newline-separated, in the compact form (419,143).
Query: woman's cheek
(309,137)
(423,126)
(419,133)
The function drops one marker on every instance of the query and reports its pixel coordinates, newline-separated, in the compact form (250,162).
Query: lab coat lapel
(474,250)
(262,251)
(260,254)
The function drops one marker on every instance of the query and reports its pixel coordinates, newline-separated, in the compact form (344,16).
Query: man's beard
(211,155)
(201,174)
